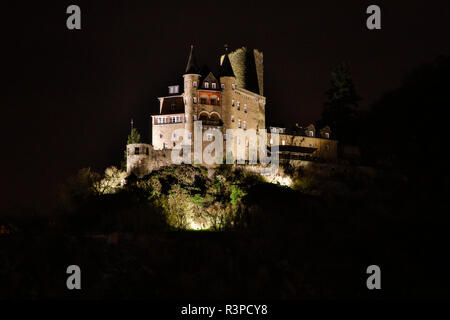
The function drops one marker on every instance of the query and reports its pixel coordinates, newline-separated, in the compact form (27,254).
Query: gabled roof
(171,105)
(192,67)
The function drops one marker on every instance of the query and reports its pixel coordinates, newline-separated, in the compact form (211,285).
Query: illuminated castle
(232,99)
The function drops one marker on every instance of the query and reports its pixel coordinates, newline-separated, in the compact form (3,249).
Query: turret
(190,96)
(228,82)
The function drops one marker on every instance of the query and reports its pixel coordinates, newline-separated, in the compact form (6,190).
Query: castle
(232,99)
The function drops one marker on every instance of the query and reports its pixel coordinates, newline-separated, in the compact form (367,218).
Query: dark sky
(70,94)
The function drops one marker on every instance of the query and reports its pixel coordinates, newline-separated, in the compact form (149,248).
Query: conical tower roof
(225,68)
(192,67)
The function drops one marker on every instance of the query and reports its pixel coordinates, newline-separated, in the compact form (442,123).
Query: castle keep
(231,99)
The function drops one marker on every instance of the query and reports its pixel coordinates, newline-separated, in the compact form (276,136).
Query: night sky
(70,94)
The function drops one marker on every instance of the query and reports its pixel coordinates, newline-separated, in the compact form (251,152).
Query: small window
(136,150)
(174,143)
(232,118)
(195,99)
(166,145)
(311,133)
(245,108)
(239,123)
(246,143)
(222,85)
(213,101)
(203,101)
(327,135)
(283,142)
(174,135)
(213,85)
(271,141)
(209,137)
(232,103)
(233,86)
(194,84)
(245,124)
(160,135)
(147,152)
(225,137)
(239,105)
(206,85)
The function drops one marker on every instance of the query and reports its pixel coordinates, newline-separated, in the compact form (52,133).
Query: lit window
(271,141)
(213,85)
(166,145)
(206,85)
(195,99)
(245,124)
(283,142)
(239,123)
(222,85)
(327,135)
(311,133)
(245,108)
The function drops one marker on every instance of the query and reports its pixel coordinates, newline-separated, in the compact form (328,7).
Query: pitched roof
(172,105)
(192,66)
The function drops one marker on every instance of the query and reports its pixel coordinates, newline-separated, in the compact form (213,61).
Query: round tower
(228,82)
(191,82)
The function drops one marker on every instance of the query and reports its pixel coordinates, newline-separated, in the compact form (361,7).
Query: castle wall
(326,148)
(163,133)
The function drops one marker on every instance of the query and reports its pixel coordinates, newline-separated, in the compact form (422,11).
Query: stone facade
(232,100)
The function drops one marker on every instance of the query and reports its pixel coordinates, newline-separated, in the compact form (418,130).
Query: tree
(134,136)
(340,109)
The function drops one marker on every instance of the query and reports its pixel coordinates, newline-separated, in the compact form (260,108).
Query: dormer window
(311,133)
(206,85)
(213,85)
(174,89)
